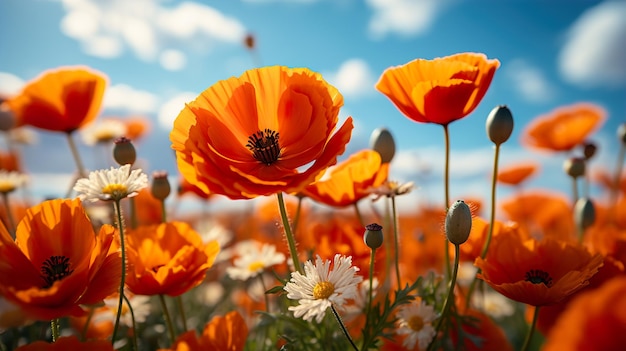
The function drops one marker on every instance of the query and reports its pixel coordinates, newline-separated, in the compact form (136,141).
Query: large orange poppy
(517,173)
(268,131)
(57,262)
(61,100)
(535,272)
(167,259)
(441,90)
(221,333)
(563,128)
(349,181)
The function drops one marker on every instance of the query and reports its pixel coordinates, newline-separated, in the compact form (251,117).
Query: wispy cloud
(122,97)
(530,82)
(148,29)
(595,51)
(172,107)
(10,84)
(404,17)
(354,78)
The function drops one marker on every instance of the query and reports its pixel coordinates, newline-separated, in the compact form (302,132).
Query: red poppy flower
(268,131)
(167,258)
(61,100)
(563,128)
(57,262)
(441,90)
(517,173)
(349,181)
(535,272)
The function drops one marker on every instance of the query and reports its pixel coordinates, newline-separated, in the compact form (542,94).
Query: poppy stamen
(537,276)
(55,268)
(264,146)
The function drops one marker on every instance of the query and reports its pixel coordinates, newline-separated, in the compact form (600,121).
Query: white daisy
(415,321)
(320,287)
(494,304)
(113,184)
(104,131)
(9,181)
(252,261)
(142,308)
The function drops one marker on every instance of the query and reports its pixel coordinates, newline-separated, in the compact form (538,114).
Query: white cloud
(10,84)
(147,28)
(172,60)
(124,97)
(529,81)
(354,78)
(404,17)
(172,107)
(595,51)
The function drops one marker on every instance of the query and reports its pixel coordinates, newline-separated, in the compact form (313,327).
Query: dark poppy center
(264,146)
(55,268)
(537,276)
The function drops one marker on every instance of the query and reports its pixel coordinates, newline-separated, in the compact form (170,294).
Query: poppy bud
(124,152)
(584,213)
(249,41)
(160,185)
(574,167)
(458,222)
(382,142)
(499,124)
(621,132)
(7,118)
(589,149)
(373,236)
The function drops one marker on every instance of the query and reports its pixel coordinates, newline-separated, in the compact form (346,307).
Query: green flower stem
(343,328)
(446,186)
(120,227)
(531,330)
(371,287)
(358,214)
(92,310)
(132,318)
(168,319)
(574,189)
(54,327)
(288,234)
(79,163)
(450,297)
(267,298)
(10,219)
(394,219)
(181,310)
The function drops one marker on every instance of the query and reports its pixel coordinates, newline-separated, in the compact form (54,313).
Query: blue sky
(159,54)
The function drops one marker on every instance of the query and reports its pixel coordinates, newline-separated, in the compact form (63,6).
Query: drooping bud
(574,167)
(373,236)
(458,223)
(160,185)
(589,149)
(499,124)
(621,133)
(382,142)
(124,152)
(584,213)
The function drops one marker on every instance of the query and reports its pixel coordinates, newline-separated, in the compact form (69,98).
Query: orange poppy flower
(441,90)
(593,321)
(68,343)
(10,161)
(57,262)
(221,333)
(517,173)
(535,272)
(136,127)
(606,179)
(268,131)
(61,100)
(486,334)
(349,181)
(563,128)
(473,247)
(167,258)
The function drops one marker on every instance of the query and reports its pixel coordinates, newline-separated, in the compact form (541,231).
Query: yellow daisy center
(256,266)
(115,190)
(323,290)
(6,187)
(416,323)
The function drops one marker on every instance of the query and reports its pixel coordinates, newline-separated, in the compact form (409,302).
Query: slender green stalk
(168,319)
(288,234)
(450,297)
(574,189)
(358,214)
(120,227)
(396,239)
(87,322)
(79,163)
(267,298)
(446,186)
(54,327)
(10,219)
(343,328)
(181,310)
(132,318)
(371,287)
(531,330)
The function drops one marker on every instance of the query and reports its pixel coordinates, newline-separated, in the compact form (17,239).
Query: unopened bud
(382,142)
(160,185)
(621,133)
(499,124)
(249,41)
(458,223)
(7,118)
(373,236)
(584,213)
(589,149)
(124,152)
(574,167)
